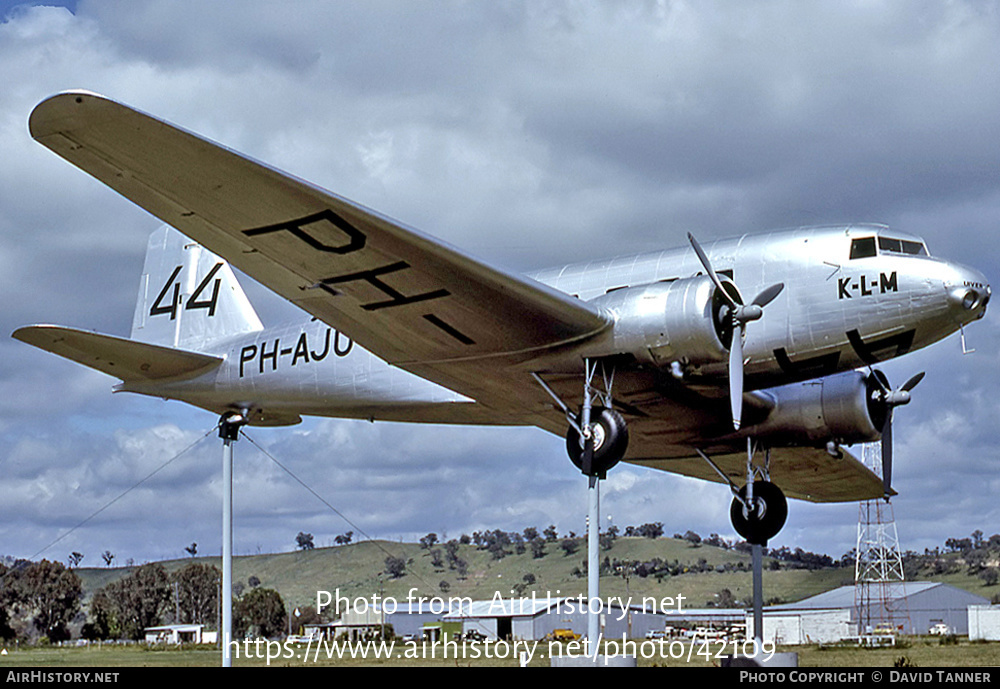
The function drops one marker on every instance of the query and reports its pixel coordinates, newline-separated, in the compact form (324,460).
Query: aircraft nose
(969,293)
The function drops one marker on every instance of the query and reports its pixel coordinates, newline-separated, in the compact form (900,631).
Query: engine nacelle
(683,320)
(845,408)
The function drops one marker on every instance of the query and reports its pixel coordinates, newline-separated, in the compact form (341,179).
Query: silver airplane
(656,359)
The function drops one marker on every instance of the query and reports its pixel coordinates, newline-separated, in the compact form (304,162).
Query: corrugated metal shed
(927,603)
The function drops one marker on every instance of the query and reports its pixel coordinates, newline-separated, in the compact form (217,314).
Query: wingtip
(56,109)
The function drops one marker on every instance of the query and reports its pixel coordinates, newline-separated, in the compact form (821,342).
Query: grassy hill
(356,570)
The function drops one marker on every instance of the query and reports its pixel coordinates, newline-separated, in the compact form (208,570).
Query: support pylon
(879,580)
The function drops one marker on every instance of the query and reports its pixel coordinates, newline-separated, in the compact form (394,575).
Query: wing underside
(805,473)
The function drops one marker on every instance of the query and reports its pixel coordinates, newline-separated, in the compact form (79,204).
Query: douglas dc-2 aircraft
(657,359)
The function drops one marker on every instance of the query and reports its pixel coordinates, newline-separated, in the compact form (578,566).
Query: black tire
(768,517)
(611,437)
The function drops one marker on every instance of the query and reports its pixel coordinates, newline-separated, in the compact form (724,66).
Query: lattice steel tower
(879,582)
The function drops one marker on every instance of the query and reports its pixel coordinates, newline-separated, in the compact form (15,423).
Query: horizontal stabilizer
(125,359)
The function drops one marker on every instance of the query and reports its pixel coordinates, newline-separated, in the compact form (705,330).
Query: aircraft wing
(805,473)
(406,297)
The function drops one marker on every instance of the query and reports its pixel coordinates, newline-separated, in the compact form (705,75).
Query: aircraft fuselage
(835,314)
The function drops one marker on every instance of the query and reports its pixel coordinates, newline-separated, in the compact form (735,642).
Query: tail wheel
(610,441)
(764,521)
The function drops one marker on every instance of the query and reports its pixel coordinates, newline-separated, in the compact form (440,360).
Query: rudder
(188,296)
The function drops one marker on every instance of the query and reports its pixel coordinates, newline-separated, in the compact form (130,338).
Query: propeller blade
(711,271)
(736,376)
(768,295)
(912,382)
(882,381)
(887,455)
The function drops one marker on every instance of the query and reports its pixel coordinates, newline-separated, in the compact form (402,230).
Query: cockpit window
(901,246)
(862,247)
(865,247)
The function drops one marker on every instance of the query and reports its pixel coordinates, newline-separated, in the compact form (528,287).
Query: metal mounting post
(229,431)
(593,568)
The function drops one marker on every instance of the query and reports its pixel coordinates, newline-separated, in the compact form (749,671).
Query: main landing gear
(596,441)
(759,519)
(759,508)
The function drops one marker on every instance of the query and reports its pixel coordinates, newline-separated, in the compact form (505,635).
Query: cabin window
(862,247)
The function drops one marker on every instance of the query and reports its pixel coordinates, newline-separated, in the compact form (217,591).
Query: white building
(796,627)
(984,623)
(180,634)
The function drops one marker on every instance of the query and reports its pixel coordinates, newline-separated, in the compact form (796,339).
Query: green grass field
(920,653)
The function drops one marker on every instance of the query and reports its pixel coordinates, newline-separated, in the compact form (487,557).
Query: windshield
(865,247)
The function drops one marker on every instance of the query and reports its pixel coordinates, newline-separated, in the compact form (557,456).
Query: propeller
(891,399)
(741,315)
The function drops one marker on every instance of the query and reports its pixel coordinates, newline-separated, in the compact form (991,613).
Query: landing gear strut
(598,436)
(596,441)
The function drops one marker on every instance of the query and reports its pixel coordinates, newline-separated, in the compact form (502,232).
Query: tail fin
(188,296)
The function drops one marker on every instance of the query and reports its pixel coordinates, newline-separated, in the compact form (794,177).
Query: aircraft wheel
(610,441)
(766,520)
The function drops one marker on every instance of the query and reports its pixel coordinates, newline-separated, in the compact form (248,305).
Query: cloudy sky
(530,134)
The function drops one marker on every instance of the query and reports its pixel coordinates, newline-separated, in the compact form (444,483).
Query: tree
(140,599)
(726,599)
(192,549)
(304,541)
(198,593)
(108,558)
(606,541)
(569,545)
(654,530)
(395,567)
(51,593)
(75,559)
(261,612)
(537,548)
(427,541)
(344,539)
(451,552)
(103,618)
(692,538)
(9,597)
